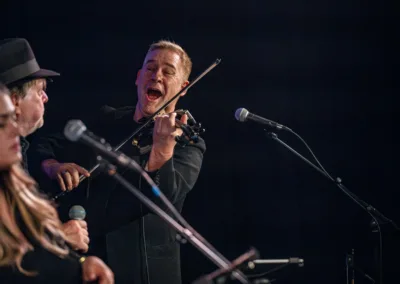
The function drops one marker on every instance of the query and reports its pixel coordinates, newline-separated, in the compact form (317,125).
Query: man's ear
(16,100)
(184,84)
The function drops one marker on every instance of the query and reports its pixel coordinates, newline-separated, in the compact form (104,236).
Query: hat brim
(41,74)
(44,73)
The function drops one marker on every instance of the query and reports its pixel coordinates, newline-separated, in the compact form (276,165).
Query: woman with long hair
(33,248)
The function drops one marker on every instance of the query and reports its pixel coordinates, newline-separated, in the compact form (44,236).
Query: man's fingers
(106,277)
(184,119)
(82,246)
(72,167)
(158,123)
(82,171)
(86,240)
(67,179)
(172,118)
(75,178)
(72,174)
(61,182)
(82,224)
(89,273)
(85,247)
(71,227)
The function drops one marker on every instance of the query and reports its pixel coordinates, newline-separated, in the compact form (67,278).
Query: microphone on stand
(244,115)
(77,212)
(75,130)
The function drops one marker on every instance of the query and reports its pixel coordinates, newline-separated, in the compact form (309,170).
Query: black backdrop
(324,68)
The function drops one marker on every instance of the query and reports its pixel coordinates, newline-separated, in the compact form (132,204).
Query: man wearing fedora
(21,73)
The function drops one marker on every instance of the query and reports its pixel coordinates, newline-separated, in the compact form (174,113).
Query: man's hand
(94,269)
(77,233)
(164,134)
(67,174)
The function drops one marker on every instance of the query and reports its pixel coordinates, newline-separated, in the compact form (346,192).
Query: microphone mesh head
(77,212)
(241,114)
(74,130)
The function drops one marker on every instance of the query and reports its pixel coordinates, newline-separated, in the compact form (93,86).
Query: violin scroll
(191,130)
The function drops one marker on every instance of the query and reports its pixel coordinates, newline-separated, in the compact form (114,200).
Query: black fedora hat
(18,62)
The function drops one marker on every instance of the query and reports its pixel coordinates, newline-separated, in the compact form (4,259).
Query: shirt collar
(24,144)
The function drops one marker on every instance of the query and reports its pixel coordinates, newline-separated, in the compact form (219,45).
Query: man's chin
(149,110)
(38,125)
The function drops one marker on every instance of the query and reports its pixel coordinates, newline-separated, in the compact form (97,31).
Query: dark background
(324,68)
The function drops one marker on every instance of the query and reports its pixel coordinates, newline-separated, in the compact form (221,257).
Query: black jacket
(138,249)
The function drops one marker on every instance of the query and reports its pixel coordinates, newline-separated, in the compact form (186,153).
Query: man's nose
(157,75)
(45,98)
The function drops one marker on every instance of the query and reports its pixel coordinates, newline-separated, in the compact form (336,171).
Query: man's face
(30,109)
(160,78)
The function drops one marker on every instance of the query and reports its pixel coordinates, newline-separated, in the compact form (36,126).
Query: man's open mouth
(153,94)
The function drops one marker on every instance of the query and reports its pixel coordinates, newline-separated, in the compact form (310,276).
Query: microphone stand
(220,274)
(209,252)
(374,213)
(351,268)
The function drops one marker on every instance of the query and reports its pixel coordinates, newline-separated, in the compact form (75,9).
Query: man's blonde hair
(186,61)
(20,90)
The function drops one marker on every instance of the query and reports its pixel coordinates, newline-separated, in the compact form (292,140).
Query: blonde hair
(21,204)
(21,89)
(186,61)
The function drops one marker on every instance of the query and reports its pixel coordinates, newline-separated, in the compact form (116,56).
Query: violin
(191,131)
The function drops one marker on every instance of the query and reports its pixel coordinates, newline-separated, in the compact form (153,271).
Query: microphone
(77,212)
(244,115)
(75,130)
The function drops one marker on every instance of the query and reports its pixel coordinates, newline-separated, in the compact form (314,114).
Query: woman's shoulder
(48,268)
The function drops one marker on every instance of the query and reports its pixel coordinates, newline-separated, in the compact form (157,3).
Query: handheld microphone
(75,130)
(77,212)
(244,115)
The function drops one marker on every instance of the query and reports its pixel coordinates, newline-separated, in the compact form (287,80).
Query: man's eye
(151,68)
(3,122)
